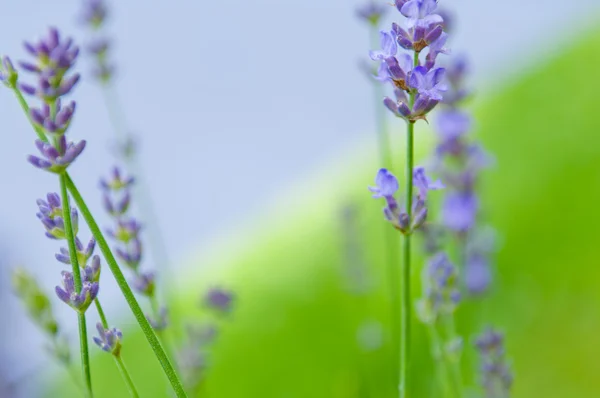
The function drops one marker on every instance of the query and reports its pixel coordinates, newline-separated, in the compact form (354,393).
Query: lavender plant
(54,58)
(418,87)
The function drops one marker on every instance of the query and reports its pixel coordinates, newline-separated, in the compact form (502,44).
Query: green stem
(83,341)
(38,129)
(406,271)
(126,290)
(439,360)
(101,314)
(126,377)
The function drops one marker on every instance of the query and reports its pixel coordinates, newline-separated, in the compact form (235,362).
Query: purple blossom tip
(51,215)
(386,184)
(78,301)
(219,299)
(109,340)
(144,283)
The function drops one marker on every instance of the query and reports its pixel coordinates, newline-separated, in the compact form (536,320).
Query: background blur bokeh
(248,100)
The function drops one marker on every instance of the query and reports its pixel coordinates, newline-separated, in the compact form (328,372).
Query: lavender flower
(109,340)
(496,377)
(78,301)
(119,207)
(83,252)
(131,253)
(91,273)
(117,182)
(126,230)
(144,284)
(56,125)
(440,286)
(428,83)
(94,13)
(219,299)
(386,188)
(51,215)
(419,12)
(388,47)
(161,321)
(56,159)
(371,12)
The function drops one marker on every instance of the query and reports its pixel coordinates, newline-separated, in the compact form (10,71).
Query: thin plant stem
(393,271)
(38,129)
(406,269)
(83,341)
(127,292)
(126,376)
(101,314)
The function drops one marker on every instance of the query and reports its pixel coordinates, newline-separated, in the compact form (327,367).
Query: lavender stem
(83,341)
(126,290)
(126,376)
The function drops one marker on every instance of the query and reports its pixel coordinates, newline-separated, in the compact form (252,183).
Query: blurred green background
(296,328)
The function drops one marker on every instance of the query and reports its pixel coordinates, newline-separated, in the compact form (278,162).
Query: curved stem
(126,377)
(83,341)
(126,290)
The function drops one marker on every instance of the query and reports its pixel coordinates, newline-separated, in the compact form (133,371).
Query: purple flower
(126,231)
(54,56)
(162,320)
(117,181)
(388,47)
(399,70)
(51,215)
(459,210)
(78,301)
(109,340)
(371,12)
(418,37)
(117,208)
(219,299)
(452,124)
(56,159)
(83,253)
(478,276)
(440,286)
(386,185)
(50,87)
(94,13)
(496,377)
(428,83)
(423,183)
(436,47)
(131,255)
(91,273)
(420,12)
(54,125)
(144,283)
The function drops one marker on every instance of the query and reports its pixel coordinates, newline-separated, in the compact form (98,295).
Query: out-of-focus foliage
(298,332)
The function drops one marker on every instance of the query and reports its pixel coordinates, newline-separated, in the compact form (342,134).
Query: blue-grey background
(233,102)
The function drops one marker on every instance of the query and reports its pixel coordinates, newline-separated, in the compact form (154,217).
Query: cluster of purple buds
(386,186)
(372,12)
(143,283)
(410,75)
(496,377)
(441,292)
(78,301)
(84,253)
(219,299)
(116,199)
(94,15)
(54,58)
(109,340)
(51,215)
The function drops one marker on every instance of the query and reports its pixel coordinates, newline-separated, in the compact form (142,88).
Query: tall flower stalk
(418,88)
(54,58)
(94,15)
